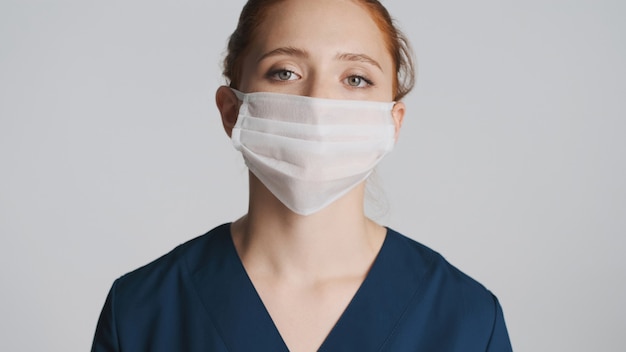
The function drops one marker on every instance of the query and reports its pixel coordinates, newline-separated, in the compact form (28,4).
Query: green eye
(283,75)
(358,81)
(354,81)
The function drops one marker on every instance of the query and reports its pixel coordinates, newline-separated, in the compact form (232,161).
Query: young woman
(313,103)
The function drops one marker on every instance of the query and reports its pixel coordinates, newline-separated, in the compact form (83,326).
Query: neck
(338,240)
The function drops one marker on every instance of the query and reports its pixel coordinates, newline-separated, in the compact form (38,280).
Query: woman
(311,107)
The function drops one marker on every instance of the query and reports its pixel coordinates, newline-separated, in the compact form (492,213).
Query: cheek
(247,70)
(244,76)
(390,81)
(389,88)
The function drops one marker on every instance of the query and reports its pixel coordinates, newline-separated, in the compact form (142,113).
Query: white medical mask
(309,151)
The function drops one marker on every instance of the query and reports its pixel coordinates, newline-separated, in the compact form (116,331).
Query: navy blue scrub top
(198,297)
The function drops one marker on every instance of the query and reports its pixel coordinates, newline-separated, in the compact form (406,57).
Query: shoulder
(146,306)
(447,302)
(166,273)
(433,269)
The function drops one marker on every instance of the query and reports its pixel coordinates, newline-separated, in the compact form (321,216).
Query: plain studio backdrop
(511,161)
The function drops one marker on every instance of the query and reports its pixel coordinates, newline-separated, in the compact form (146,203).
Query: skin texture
(306,269)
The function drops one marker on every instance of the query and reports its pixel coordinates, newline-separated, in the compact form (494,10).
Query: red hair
(254,13)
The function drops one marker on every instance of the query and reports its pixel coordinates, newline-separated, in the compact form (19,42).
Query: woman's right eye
(283,75)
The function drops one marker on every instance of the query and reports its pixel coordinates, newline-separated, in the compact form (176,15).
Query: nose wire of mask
(309,151)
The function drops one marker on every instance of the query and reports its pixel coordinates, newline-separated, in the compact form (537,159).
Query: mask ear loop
(240,95)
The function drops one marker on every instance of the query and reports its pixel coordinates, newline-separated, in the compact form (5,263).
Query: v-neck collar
(244,323)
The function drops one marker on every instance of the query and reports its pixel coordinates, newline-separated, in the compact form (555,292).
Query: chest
(305,315)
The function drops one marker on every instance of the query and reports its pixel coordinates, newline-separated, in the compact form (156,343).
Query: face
(323,48)
(318,48)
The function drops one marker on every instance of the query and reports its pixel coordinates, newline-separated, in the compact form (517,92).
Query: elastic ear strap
(240,95)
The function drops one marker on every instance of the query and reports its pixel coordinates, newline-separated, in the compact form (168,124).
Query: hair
(255,11)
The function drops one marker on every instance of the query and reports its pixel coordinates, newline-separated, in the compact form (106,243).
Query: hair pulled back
(254,13)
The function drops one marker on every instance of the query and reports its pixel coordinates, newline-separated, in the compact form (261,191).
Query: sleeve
(106,339)
(499,341)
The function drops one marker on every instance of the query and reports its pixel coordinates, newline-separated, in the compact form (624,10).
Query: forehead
(320,26)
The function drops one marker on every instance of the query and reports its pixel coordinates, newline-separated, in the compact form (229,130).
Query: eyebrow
(287,50)
(292,51)
(358,58)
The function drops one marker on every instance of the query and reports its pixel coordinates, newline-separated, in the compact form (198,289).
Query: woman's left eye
(358,81)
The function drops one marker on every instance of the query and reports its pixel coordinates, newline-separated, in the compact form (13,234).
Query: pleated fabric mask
(310,151)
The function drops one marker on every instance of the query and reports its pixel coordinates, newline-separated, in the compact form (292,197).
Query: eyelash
(367,81)
(273,74)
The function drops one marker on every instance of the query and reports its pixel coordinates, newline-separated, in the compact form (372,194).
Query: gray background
(510,163)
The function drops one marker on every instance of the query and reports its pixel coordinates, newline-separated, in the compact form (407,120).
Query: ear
(398,116)
(228,105)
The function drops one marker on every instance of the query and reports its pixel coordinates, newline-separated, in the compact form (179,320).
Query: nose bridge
(318,85)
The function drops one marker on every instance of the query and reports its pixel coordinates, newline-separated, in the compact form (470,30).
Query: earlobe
(398,116)
(228,105)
